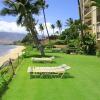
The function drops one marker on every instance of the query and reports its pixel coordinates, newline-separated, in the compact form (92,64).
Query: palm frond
(20,20)
(7,11)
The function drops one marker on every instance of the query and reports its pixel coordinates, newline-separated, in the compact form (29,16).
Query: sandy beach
(13,54)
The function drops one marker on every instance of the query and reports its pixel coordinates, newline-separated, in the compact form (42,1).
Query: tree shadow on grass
(51,76)
(39,56)
(32,55)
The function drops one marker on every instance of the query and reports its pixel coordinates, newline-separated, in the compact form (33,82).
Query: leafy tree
(24,11)
(53,27)
(59,25)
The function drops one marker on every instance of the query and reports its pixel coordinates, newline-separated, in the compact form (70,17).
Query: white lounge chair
(48,70)
(43,59)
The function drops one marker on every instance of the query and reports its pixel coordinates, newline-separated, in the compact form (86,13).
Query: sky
(57,10)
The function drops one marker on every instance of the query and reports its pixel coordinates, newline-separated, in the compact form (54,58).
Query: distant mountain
(9,38)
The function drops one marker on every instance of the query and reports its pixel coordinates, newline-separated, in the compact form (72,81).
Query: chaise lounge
(43,59)
(48,70)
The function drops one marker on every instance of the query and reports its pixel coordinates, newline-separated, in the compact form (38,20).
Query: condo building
(91,17)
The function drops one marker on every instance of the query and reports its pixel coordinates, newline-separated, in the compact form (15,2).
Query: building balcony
(88,22)
(87,3)
(87,10)
(88,16)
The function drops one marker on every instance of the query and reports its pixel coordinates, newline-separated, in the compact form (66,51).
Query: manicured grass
(84,84)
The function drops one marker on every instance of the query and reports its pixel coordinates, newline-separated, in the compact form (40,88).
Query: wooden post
(12,66)
(18,58)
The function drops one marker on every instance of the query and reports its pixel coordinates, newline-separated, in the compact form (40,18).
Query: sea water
(4,49)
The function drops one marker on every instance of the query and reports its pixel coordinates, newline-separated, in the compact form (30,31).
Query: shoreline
(13,54)
(8,49)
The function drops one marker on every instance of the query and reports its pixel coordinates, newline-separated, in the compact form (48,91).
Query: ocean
(4,49)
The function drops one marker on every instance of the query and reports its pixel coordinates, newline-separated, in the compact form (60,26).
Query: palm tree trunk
(59,31)
(38,44)
(80,19)
(53,31)
(43,35)
(45,22)
(35,37)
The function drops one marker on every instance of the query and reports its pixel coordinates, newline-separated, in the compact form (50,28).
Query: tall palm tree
(59,25)
(43,5)
(53,27)
(42,30)
(80,15)
(24,11)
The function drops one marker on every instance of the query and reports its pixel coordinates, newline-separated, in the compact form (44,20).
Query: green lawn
(84,85)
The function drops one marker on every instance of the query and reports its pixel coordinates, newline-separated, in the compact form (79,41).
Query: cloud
(1,18)
(11,27)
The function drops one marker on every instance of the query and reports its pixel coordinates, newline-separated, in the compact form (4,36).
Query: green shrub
(98,53)
(59,42)
(89,44)
(6,74)
(3,87)
(4,70)
(56,50)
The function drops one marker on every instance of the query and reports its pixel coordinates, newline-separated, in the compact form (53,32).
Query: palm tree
(43,5)
(42,30)
(69,22)
(59,25)
(53,27)
(24,11)
(79,6)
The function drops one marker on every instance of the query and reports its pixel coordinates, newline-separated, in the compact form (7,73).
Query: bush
(56,50)
(59,42)
(6,74)
(3,87)
(98,53)
(89,44)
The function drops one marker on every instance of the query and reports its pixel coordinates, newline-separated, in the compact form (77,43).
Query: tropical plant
(53,27)
(42,30)
(69,22)
(24,11)
(74,28)
(98,53)
(42,4)
(59,26)
(89,44)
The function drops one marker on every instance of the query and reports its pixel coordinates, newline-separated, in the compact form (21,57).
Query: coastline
(13,54)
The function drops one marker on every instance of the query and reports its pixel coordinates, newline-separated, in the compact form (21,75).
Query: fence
(7,71)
